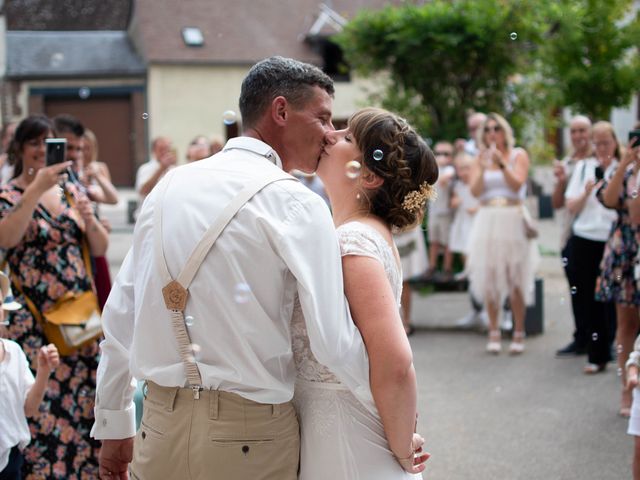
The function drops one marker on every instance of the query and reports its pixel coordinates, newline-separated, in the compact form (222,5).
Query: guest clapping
(501,259)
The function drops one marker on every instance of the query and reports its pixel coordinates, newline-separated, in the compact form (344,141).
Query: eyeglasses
(495,129)
(442,154)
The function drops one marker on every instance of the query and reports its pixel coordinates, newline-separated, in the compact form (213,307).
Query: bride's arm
(392,376)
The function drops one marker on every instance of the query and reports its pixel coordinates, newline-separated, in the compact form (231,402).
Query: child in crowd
(440,213)
(21,395)
(464,204)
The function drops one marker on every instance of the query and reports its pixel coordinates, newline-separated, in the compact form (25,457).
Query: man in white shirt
(582,148)
(280,244)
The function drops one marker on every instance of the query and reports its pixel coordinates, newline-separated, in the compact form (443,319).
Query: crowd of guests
(48,212)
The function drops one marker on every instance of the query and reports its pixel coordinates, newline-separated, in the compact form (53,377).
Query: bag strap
(176,291)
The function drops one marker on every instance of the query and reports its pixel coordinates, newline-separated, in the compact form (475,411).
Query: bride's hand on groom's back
(414,463)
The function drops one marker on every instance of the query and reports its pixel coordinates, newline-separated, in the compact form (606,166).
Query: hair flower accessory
(415,199)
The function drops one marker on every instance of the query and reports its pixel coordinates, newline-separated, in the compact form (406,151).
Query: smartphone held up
(56,150)
(634,138)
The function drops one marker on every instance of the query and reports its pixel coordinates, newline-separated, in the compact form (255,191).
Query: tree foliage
(448,57)
(593,57)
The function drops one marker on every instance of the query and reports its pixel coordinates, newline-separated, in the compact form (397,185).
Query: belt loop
(275,412)
(213,404)
(171,399)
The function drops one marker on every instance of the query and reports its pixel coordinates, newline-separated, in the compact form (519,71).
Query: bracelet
(411,455)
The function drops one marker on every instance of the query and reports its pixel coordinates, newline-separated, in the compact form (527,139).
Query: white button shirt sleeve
(114,410)
(312,253)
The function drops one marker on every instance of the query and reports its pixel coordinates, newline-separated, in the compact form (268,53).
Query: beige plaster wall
(185,100)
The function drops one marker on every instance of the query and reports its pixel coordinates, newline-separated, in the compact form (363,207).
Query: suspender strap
(176,291)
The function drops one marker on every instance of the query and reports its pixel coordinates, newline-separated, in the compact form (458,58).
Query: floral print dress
(616,282)
(48,262)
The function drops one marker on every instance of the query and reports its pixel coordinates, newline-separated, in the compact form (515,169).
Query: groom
(241,424)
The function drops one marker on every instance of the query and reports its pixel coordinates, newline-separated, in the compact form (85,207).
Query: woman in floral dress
(42,234)
(617,283)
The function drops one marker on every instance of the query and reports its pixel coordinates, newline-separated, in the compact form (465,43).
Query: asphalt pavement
(532,417)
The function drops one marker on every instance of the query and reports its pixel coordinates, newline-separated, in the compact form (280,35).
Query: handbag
(530,225)
(74,320)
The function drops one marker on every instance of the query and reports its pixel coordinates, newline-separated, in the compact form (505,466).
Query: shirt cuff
(114,424)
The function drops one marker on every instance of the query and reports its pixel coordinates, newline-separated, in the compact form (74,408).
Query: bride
(378,174)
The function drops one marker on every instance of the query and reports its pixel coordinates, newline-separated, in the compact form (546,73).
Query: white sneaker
(470,320)
(506,323)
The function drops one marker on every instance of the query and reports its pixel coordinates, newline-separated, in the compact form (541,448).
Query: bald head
(580,132)
(473,123)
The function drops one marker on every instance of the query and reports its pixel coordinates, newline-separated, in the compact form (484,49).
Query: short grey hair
(275,77)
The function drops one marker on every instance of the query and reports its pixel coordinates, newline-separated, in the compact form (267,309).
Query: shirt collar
(256,146)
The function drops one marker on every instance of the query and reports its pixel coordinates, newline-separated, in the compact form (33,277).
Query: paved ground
(500,418)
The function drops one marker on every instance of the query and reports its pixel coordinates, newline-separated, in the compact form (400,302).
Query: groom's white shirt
(282,242)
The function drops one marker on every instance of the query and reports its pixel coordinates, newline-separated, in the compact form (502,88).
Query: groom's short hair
(275,77)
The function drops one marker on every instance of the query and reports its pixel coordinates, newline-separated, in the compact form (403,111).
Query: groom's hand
(115,456)
(414,463)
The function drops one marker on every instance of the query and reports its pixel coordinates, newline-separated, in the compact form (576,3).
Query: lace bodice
(355,239)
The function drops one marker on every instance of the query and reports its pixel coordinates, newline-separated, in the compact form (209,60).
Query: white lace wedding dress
(340,438)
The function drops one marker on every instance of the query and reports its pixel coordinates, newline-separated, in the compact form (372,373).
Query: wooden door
(110,119)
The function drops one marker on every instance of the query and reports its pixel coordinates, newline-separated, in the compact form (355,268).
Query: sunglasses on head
(495,128)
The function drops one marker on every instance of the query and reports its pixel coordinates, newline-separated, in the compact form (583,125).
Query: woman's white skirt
(339,438)
(500,256)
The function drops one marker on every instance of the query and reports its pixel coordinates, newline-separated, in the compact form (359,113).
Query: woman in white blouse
(590,231)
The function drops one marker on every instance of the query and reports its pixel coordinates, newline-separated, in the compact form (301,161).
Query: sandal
(593,368)
(494,346)
(517,344)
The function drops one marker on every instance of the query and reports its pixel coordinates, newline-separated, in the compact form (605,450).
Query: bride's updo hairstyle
(402,159)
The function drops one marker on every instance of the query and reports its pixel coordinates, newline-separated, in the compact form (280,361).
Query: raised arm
(14,223)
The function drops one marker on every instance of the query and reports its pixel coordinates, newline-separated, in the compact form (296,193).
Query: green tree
(592,56)
(448,57)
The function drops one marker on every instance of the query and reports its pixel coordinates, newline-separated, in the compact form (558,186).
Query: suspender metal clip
(196,391)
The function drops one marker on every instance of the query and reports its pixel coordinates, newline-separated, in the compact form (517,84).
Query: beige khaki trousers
(218,436)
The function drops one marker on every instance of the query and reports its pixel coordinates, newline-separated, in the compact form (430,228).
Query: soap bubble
(84,93)
(565,261)
(574,290)
(188,320)
(56,59)
(242,293)
(634,194)
(378,155)
(229,117)
(513,36)
(197,352)
(353,169)
(594,337)
(145,116)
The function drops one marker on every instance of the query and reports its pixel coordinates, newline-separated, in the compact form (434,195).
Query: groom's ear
(279,110)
